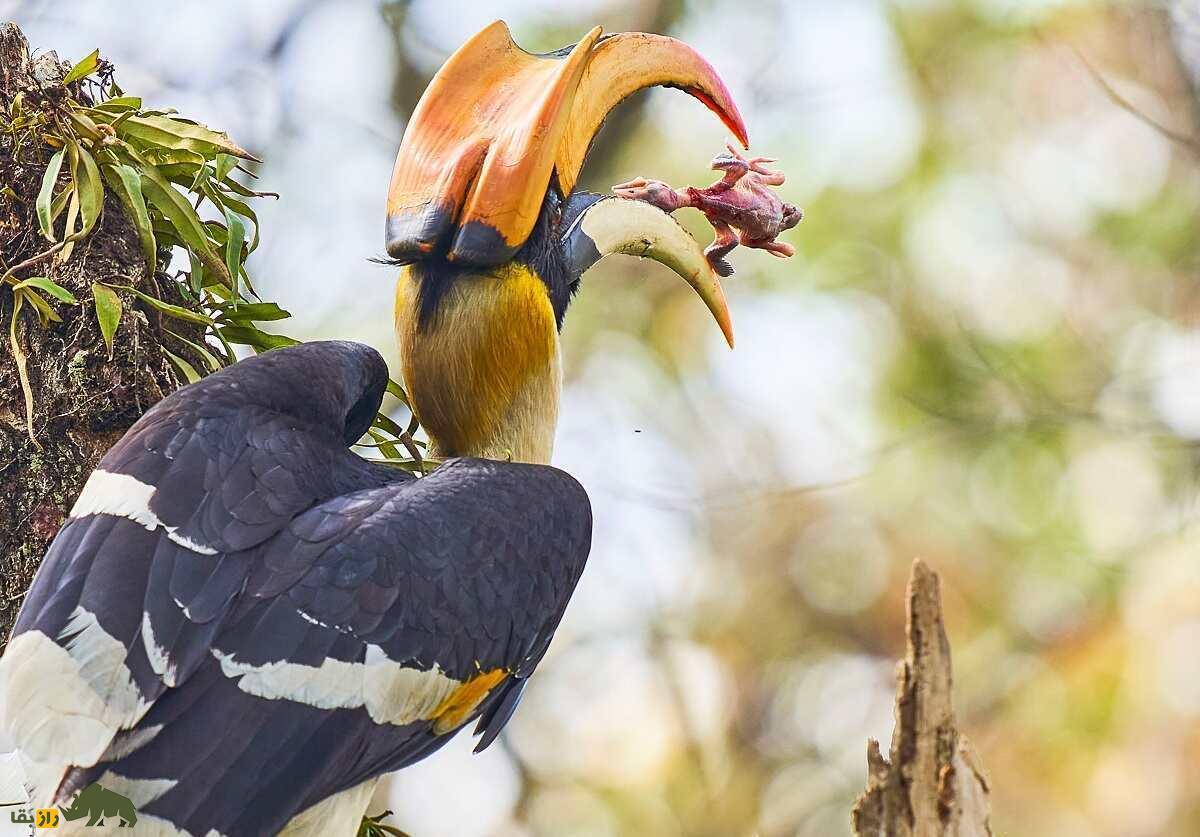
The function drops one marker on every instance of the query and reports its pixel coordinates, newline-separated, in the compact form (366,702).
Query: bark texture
(84,399)
(931,784)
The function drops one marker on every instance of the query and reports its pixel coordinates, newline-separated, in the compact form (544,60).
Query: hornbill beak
(499,127)
(607,225)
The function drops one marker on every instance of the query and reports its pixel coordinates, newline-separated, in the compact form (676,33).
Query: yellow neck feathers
(483,375)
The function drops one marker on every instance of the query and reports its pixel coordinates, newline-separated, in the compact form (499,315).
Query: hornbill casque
(242,624)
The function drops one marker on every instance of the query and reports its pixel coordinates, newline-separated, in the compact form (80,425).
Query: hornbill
(242,624)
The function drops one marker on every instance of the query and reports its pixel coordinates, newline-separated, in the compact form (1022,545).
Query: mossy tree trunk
(83,397)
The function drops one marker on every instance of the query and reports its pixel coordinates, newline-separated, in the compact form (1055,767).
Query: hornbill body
(242,624)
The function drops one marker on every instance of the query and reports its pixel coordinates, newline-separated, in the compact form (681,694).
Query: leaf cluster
(175,179)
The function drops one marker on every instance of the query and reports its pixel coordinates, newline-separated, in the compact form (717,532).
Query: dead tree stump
(930,785)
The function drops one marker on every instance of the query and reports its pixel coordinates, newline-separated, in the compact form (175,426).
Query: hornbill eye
(499,127)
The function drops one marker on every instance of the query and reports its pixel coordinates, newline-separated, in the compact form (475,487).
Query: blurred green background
(985,353)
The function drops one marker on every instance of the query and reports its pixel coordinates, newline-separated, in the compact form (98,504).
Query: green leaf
(251,336)
(221,292)
(250,312)
(171,203)
(387,424)
(380,442)
(217,233)
(22,370)
(196,274)
(233,247)
(234,186)
(209,358)
(175,133)
(165,233)
(225,164)
(108,312)
(167,308)
(89,186)
(189,161)
(45,313)
(60,202)
(249,286)
(398,391)
(120,120)
(229,350)
(415,466)
(124,180)
(85,67)
(69,230)
(189,372)
(223,199)
(181,175)
(55,290)
(384,422)
(84,126)
(46,194)
(119,104)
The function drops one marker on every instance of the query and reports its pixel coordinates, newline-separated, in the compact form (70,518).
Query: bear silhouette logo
(97,803)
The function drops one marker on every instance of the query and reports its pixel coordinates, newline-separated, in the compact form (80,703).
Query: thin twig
(410,445)
(32,260)
(1188,142)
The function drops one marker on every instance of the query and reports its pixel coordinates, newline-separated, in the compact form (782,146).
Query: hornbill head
(493,240)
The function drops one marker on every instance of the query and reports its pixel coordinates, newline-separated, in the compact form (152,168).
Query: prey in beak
(499,139)
(741,206)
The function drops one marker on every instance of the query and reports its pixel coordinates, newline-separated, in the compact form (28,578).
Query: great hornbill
(242,624)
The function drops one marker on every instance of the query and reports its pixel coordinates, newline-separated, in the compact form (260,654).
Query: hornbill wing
(158,545)
(467,570)
(242,617)
(373,627)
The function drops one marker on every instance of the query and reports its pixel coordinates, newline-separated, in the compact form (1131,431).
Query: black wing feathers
(235,456)
(277,545)
(468,568)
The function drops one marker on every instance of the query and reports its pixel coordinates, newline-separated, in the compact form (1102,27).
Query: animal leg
(716,252)
(766,175)
(779,249)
